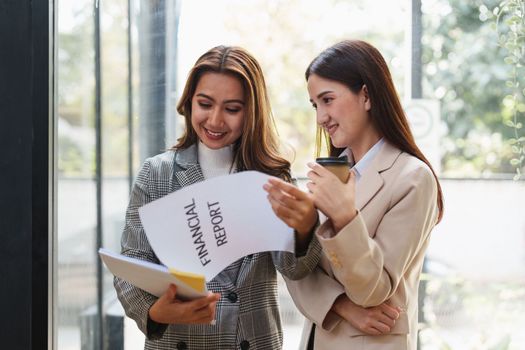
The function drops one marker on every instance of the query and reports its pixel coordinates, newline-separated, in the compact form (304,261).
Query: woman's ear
(368,105)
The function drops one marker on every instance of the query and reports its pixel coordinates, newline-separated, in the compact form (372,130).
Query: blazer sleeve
(370,265)
(298,265)
(135,301)
(314,296)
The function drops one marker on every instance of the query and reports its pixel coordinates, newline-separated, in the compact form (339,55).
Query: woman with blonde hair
(229,128)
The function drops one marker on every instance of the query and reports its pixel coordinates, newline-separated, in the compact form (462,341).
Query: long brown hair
(355,63)
(258,146)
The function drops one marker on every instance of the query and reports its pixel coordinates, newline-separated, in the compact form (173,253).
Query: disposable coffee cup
(337,165)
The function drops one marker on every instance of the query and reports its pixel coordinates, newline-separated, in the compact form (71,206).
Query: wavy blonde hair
(258,146)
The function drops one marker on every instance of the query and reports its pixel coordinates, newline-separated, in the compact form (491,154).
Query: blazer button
(232,296)
(181,345)
(245,345)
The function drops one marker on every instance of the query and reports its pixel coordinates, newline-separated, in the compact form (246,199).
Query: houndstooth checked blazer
(247,313)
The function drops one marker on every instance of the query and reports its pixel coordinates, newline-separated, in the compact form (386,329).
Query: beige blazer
(377,257)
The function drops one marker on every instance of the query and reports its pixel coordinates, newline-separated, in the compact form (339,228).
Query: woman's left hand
(291,205)
(334,198)
(375,320)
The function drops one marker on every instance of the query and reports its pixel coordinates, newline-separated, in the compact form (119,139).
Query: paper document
(204,227)
(153,278)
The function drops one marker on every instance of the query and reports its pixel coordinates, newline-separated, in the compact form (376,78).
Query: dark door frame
(26,102)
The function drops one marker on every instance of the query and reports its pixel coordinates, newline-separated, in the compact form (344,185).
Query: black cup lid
(332,160)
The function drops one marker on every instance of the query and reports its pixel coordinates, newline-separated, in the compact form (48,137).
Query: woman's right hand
(169,310)
(332,197)
(293,206)
(375,320)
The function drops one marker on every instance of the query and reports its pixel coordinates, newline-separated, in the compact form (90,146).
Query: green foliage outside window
(472,69)
(466,70)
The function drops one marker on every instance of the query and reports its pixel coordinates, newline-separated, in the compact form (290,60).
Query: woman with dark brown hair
(379,222)
(229,128)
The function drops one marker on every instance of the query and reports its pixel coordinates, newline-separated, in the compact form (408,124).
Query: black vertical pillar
(25,157)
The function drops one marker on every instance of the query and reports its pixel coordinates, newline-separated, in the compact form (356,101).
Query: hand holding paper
(199,230)
(205,227)
(295,207)
(170,310)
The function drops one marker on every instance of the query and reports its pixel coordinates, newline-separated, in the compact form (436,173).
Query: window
(121,66)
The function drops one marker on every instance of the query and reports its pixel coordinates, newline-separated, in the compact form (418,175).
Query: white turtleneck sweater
(215,162)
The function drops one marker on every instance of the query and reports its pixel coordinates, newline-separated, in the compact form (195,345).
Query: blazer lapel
(192,174)
(372,181)
(369,184)
(187,170)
